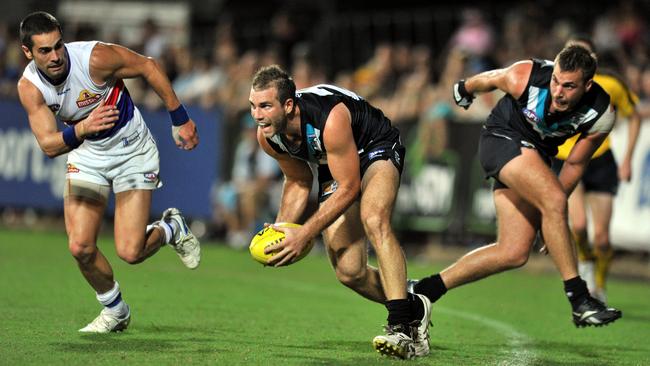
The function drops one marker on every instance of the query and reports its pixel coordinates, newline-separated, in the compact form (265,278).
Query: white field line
(520,352)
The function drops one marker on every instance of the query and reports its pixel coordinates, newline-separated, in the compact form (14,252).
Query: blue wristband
(179,116)
(70,137)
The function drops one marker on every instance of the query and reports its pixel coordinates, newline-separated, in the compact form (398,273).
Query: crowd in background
(409,81)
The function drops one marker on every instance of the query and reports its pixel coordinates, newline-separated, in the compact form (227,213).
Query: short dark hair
(575,57)
(269,76)
(37,23)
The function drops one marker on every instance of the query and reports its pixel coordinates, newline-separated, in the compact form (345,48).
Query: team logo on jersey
(87,98)
(72,168)
(150,177)
(314,143)
(531,116)
(54,107)
(373,154)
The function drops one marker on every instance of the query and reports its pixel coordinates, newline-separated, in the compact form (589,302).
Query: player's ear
(288,105)
(27,52)
(588,84)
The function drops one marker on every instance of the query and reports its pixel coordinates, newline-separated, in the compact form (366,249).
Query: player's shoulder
(28,92)
(81,45)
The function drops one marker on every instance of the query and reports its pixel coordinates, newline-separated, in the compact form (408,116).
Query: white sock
(166,227)
(112,300)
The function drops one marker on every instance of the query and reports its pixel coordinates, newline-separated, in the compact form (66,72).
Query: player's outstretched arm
(511,80)
(43,123)
(114,61)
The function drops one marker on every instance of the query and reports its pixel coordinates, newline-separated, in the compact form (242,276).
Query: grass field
(233,311)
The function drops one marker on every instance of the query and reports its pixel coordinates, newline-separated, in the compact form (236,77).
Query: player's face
(567,88)
(48,53)
(269,114)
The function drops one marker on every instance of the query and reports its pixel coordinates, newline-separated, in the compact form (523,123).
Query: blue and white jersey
(369,125)
(529,114)
(77,95)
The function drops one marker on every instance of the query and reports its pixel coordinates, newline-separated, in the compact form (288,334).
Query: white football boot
(422,345)
(108,322)
(397,342)
(185,244)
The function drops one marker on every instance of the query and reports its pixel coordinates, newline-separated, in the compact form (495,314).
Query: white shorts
(126,161)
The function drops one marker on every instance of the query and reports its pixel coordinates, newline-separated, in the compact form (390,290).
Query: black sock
(431,287)
(399,311)
(576,290)
(417,307)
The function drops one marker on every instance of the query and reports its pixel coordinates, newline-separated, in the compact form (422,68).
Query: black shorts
(496,147)
(393,151)
(601,174)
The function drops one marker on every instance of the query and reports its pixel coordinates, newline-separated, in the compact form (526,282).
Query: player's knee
(515,258)
(376,225)
(130,256)
(601,239)
(579,227)
(351,278)
(83,252)
(555,203)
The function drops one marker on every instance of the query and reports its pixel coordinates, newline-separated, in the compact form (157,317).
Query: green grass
(233,311)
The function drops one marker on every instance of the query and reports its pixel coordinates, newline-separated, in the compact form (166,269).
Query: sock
(576,290)
(173,227)
(167,228)
(399,311)
(432,287)
(603,260)
(582,245)
(112,300)
(417,307)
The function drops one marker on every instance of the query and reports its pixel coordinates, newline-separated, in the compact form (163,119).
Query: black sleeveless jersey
(369,125)
(529,114)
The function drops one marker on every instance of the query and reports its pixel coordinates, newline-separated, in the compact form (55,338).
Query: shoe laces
(408,330)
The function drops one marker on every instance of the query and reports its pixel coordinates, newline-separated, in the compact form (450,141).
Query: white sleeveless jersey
(74,98)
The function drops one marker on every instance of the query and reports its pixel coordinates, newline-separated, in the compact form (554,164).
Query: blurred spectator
(154,42)
(476,38)
(251,197)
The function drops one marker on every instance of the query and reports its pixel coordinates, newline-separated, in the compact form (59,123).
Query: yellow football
(269,236)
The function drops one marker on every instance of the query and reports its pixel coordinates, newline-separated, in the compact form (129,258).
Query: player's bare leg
(345,241)
(517,228)
(83,216)
(601,204)
(578,221)
(407,332)
(133,243)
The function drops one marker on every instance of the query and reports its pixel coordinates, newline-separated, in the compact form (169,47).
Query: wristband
(70,137)
(179,116)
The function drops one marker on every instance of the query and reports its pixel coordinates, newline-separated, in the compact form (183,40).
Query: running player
(545,103)
(108,146)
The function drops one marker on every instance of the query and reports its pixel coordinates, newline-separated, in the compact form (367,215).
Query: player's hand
(186,136)
(288,249)
(461,96)
(101,118)
(625,171)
